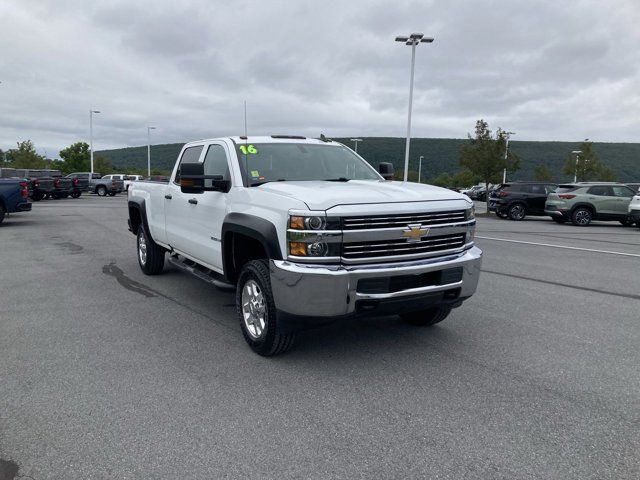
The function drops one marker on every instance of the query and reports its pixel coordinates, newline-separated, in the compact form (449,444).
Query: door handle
(168,197)
(193,201)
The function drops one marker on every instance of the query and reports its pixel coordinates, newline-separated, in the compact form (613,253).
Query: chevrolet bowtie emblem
(415,232)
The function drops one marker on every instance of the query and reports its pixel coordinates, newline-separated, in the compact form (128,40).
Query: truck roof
(240,139)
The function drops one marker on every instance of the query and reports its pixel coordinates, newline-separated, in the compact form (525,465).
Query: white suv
(634,209)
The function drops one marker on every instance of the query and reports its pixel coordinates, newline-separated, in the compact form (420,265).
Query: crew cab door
(178,211)
(208,214)
(194,221)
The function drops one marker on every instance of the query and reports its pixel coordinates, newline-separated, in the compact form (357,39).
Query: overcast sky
(547,70)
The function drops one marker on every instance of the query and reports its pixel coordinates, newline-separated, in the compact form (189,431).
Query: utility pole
(506,153)
(420,168)
(412,40)
(91,112)
(149,150)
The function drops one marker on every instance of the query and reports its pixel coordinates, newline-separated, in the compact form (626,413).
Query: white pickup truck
(307,232)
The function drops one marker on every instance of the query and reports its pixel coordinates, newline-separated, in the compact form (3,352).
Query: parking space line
(566,247)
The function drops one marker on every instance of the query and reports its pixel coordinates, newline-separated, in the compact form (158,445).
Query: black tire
(269,340)
(559,219)
(101,190)
(2,213)
(517,211)
(581,217)
(112,194)
(426,318)
(152,261)
(76,194)
(501,215)
(626,222)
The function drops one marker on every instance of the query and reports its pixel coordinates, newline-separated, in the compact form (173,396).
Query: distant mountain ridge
(440,155)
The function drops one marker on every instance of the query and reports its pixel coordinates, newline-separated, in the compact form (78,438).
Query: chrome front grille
(402,220)
(400,247)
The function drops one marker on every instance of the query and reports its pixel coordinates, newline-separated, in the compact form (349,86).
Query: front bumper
(326,291)
(634,215)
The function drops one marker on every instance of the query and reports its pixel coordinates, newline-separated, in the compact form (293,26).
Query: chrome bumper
(331,291)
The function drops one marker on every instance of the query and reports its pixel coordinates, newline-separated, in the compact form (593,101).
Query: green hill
(440,155)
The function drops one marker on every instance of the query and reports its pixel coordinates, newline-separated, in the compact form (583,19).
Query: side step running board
(198,271)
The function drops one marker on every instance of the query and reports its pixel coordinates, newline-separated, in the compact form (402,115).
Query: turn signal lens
(298,248)
(296,223)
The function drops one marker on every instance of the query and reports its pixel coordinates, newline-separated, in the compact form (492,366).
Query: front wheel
(428,317)
(517,212)
(150,254)
(626,222)
(500,214)
(559,219)
(112,194)
(581,217)
(101,191)
(256,310)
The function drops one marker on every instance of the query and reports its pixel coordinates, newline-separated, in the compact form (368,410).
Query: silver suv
(586,201)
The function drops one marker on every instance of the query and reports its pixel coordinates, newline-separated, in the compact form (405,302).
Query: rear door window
(538,189)
(600,190)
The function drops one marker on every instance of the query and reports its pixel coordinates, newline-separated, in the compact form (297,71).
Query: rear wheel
(256,310)
(36,197)
(517,211)
(101,190)
(2,213)
(626,222)
(581,217)
(76,194)
(112,194)
(150,254)
(426,318)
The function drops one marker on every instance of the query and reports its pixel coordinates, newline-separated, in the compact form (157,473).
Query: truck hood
(323,195)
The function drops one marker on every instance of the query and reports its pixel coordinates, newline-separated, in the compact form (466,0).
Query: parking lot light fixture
(91,112)
(577,154)
(149,128)
(355,142)
(412,40)
(506,153)
(420,167)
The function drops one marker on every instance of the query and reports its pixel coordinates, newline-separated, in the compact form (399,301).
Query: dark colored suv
(516,200)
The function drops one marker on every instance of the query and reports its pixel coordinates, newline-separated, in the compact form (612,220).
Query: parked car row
(579,203)
(43,184)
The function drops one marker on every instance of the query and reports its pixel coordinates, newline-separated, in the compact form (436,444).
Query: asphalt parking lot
(107,373)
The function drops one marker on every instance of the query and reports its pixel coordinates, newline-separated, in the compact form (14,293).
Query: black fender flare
(251,226)
(140,205)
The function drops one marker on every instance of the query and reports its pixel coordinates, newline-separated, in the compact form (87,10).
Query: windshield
(273,162)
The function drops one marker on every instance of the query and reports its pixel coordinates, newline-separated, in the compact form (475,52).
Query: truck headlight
(471,233)
(471,213)
(313,222)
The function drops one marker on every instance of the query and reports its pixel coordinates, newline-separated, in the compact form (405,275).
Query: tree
(484,154)
(606,174)
(464,178)
(76,157)
(102,165)
(542,173)
(584,166)
(25,156)
(442,180)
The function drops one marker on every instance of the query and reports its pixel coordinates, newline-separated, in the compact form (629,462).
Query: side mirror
(192,180)
(386,170)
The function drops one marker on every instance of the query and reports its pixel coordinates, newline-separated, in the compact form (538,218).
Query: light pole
(355,142)
(506,153)
(149,128)
(577,154)
(413,40)
(91,112)
(420,167)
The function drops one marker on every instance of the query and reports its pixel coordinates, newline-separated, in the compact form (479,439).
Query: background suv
(518,199)
(584,201)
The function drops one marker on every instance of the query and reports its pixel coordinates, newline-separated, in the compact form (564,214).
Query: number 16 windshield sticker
(248,149)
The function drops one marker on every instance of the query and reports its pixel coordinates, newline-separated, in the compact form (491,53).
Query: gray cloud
(543,69)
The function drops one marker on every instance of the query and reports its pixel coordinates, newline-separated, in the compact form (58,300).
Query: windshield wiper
(339,179)
(257,184)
